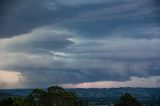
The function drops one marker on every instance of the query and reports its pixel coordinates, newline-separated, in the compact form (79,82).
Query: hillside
(110,95)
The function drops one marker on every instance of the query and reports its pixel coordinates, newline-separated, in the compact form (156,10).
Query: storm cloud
(56,42)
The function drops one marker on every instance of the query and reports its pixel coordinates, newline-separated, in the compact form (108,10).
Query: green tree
(127,100)
(54,96)
(18,101)
(35,98)
(12,101)
(57,96)
(6,102)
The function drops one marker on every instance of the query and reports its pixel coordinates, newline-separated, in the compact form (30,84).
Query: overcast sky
(79,43)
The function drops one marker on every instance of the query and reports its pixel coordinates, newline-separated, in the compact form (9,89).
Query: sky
(79,43)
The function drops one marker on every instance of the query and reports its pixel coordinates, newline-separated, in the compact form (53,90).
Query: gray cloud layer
(62,41)
(20,16)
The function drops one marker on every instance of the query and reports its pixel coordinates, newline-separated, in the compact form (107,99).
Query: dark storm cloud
(20,16)
(66,41)
(118,16)
(156,3)
(112,60)
(123,72)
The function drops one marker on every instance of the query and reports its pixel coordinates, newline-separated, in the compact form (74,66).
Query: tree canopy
(53,96)
(128,100)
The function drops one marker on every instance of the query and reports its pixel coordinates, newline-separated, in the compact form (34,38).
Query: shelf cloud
(80,43)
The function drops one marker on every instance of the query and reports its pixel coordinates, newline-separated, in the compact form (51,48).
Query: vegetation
(54,96)
(127,100)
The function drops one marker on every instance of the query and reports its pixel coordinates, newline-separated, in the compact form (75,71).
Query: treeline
(57,96)
(53,96)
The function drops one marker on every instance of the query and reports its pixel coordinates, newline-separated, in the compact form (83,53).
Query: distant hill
(17,92)
(145,95)
(4,95)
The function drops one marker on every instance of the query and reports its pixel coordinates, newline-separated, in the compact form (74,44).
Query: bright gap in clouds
(10,79)
(133,82)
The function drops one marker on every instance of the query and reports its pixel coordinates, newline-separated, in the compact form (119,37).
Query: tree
(18,101)
(12,101)
(7,102)
(35,98)
(54,96)
(128,100)
(57,96)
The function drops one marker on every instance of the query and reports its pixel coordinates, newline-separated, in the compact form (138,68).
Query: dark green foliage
(6,102)
(14,101)
(54,96)
(128,100)
(57,96)
(18,101)
(34,98)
